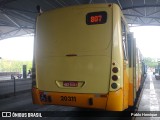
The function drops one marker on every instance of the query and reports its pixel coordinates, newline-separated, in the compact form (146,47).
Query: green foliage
(151,62)
(14,66)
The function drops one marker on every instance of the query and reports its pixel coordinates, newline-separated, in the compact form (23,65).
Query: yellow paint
(134,67)
(81,99)
(35,96)
(95,48)
(138,69)
(64,31)
(132,60)
(131,95)
(117,52)
(125,85)
(115,101)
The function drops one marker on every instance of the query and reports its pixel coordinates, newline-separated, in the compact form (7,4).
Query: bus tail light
(115,77)
(114,85)
(115,70)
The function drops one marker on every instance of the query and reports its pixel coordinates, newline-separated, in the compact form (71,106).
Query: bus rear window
(96,18)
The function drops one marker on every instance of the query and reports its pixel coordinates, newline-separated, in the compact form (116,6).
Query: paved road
(9,86)
(150,100)
(5,78)
(23,103)
(2,78)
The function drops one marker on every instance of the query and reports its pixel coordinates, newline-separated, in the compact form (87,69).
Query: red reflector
(70,83)
(40,92)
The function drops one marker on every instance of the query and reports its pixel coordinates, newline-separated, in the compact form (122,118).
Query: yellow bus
(81,58)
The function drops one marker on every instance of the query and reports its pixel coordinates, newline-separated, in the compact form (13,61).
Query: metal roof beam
(48,3)
(29,28)
(59,3)
(141,6)
(119,4)
(132,19)
(2,22)
(132,2)
(16,9)
(157,20)
(142,16)
(145,12)
(13,21)
(105,1)
(77,1)
(11,31)
(24,17)
(3,2)
(12,34)
(154,13)
(141,20)
(90,1)
(138,12)
(63,2)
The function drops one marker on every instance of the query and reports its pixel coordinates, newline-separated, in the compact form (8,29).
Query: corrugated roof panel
(18,14)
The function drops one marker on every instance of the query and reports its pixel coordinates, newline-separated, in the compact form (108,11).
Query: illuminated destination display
(96,18)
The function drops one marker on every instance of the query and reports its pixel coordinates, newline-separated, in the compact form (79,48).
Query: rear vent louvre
(71,55)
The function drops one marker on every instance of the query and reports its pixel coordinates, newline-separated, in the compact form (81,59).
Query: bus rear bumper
(113,101)
(69,99)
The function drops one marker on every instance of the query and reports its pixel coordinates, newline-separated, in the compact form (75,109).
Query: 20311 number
(68,98)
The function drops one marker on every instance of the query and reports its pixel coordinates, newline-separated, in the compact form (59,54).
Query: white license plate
(70,83)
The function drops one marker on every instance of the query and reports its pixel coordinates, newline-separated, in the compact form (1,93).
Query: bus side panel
(126,84)
(115,100)
(131,95)
(138,69)
(134,69)
(115,96)
(131,69)
(35,96)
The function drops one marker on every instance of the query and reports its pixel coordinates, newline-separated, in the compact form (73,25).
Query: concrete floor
(150,100)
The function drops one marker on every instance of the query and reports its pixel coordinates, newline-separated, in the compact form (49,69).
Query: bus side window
(124,40)
(130,50)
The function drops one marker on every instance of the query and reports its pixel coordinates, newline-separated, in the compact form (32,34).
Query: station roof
(17,17)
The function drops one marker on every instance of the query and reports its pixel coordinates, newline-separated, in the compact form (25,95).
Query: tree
(150,62)
(14,65)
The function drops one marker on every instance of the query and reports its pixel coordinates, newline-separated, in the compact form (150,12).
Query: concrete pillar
(24,71)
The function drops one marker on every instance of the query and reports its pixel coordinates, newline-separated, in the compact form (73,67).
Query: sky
(17,48)
(21,48)
(148,40)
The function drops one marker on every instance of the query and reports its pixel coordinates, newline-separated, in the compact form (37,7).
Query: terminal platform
(149,101)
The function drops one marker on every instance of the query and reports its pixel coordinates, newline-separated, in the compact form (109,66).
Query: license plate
(70,83)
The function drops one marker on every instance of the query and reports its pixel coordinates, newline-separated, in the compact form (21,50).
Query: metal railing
(13,86)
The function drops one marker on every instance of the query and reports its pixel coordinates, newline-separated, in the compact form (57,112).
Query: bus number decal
(68,98)
(96,18)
